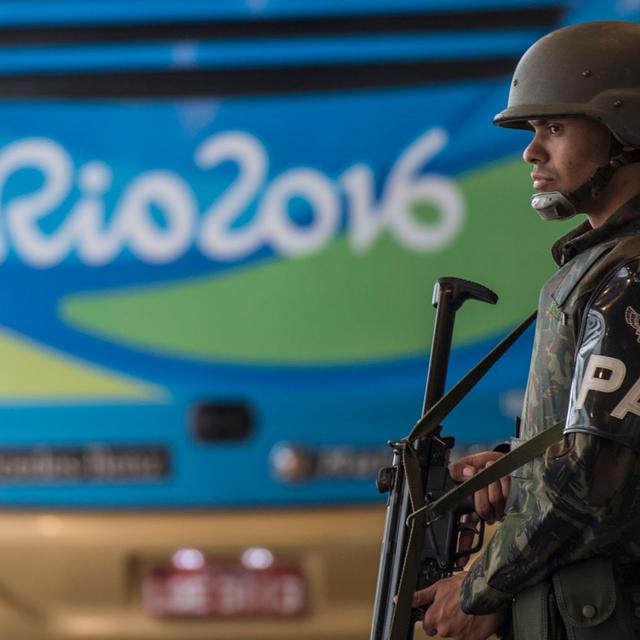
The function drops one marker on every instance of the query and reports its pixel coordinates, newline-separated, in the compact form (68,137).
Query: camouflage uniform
(582,498)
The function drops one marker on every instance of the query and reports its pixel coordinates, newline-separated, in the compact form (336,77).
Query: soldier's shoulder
(626,250)
(622,260)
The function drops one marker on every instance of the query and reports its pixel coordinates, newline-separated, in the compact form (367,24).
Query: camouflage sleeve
(582,503)
(580,499)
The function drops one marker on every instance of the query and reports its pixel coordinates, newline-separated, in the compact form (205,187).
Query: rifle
(434,554)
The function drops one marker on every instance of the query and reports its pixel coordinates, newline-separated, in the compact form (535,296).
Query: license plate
(224,590)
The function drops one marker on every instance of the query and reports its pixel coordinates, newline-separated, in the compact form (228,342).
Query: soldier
(565,561)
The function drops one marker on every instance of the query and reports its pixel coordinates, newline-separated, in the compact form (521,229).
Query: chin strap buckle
(553,205)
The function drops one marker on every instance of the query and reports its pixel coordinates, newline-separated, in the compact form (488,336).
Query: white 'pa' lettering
(591,382)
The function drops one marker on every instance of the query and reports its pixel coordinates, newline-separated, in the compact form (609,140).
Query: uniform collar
(624,221)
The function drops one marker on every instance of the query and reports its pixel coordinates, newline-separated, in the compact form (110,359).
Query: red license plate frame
(224,590)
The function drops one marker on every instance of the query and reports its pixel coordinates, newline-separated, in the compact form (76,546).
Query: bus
(221,226)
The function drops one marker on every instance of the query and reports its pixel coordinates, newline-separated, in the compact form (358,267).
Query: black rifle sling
(429,423)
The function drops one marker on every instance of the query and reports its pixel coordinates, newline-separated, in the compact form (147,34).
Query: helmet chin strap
(553,205)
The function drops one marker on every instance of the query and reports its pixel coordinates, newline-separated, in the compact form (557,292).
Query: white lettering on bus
(157,218)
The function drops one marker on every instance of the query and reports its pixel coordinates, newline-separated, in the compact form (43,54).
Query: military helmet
(588,69)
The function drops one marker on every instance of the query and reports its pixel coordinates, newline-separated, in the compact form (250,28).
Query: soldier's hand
(445,618)
(490,501)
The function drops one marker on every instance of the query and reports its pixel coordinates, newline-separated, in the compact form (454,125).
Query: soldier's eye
(554,129)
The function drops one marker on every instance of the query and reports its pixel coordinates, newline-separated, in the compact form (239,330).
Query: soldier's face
(565,152)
